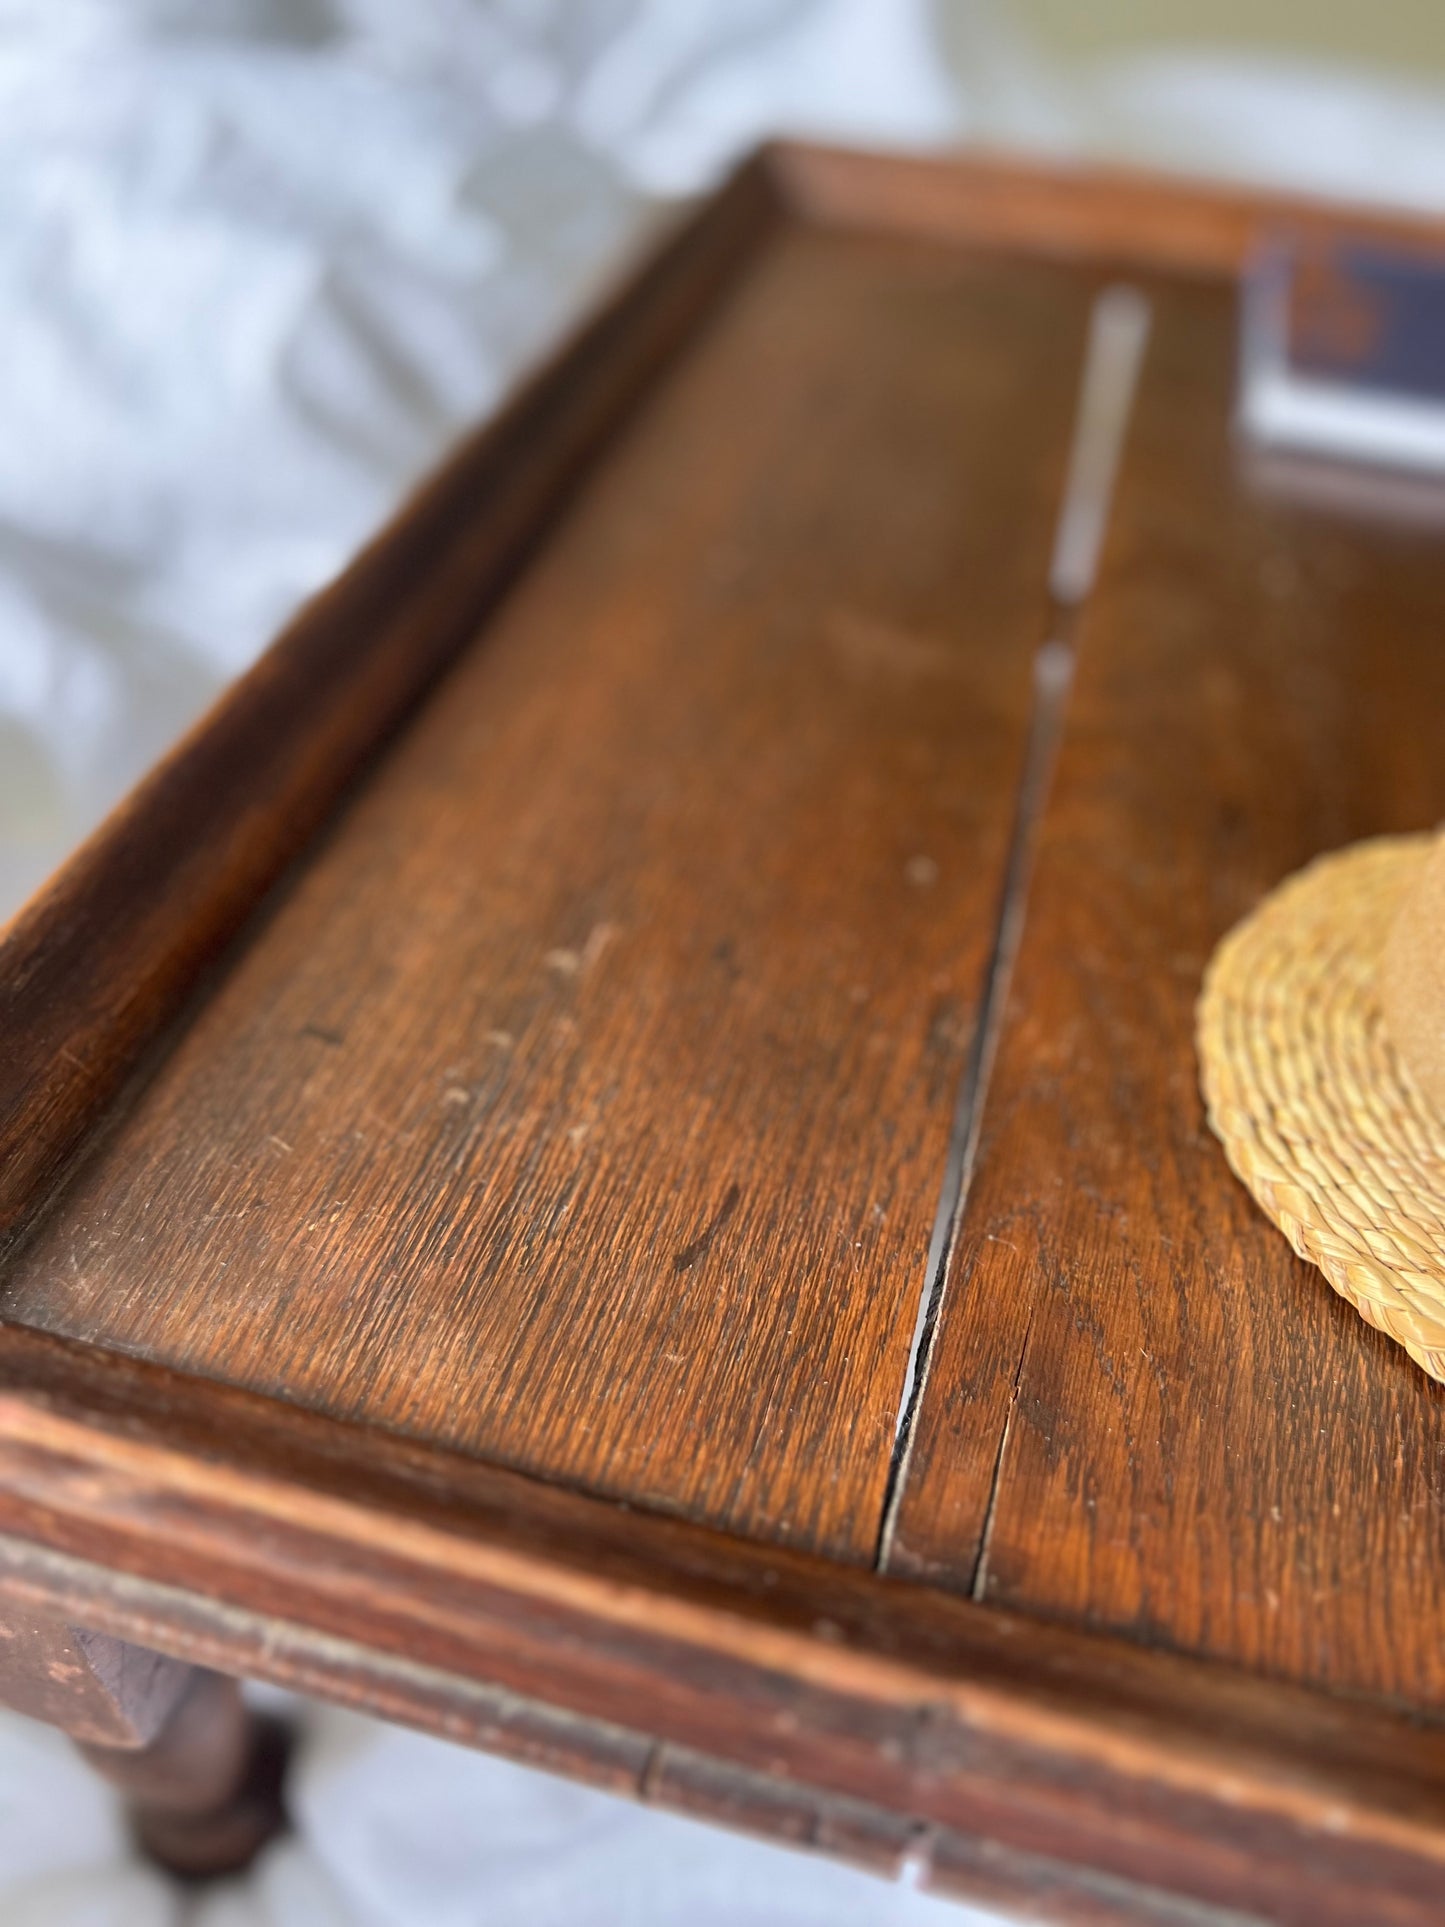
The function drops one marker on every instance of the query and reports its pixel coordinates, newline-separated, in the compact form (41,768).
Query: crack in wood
(1052,673)
(1118,335)
(698,1246)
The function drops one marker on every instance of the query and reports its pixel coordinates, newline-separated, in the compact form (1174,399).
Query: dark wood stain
(546,1151)
(234,1531)
(1145,1413)
(663,883)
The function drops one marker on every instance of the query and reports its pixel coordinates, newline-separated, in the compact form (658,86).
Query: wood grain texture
(1144,1412)
(97,966)
(585,1101)
(95,970)
(227,1530)
(665,917)
(96,1688)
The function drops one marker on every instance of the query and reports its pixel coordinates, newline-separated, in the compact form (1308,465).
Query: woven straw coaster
(1316,1113)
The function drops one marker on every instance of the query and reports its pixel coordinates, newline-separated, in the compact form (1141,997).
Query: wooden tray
(474,1122)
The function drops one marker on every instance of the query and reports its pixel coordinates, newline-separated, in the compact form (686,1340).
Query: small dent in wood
(568,962)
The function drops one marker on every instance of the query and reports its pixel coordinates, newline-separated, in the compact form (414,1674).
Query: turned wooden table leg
(201,1774)
(206,1794)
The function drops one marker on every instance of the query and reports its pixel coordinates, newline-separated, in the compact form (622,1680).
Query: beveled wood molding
(1119,217)
(214,1526)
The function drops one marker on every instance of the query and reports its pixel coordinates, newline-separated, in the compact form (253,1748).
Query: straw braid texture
(1316,1113)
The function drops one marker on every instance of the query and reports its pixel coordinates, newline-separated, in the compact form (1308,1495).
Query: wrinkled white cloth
(260,260)
(394,1829)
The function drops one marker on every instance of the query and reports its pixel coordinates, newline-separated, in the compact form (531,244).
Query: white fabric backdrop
(253,280)
(259,261)
(396,1830)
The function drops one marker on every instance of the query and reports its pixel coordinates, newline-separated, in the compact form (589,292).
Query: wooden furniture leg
(207,1793)
(201,1774)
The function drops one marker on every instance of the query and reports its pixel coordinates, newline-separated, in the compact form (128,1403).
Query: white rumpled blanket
(397,1830)
(259,261)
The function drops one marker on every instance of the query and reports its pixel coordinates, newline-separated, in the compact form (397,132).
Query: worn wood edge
(142,1686)
(100,962)
(102,1691)
(614,1758)
(1266,1689)
(1114,217)
(1141,1765)
(411,1691)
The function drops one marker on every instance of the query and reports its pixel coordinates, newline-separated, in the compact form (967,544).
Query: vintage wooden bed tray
(473,1125)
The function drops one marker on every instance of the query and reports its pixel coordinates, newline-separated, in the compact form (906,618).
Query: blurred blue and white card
(1343,355)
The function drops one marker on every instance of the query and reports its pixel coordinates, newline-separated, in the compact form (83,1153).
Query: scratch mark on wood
(690,1253)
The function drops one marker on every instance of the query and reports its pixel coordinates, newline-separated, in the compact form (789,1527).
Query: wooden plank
(585,1102)
(229,1531)
(1201,1444)
(96,968)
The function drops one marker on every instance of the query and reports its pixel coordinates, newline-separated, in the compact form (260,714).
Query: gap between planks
(1113,356)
